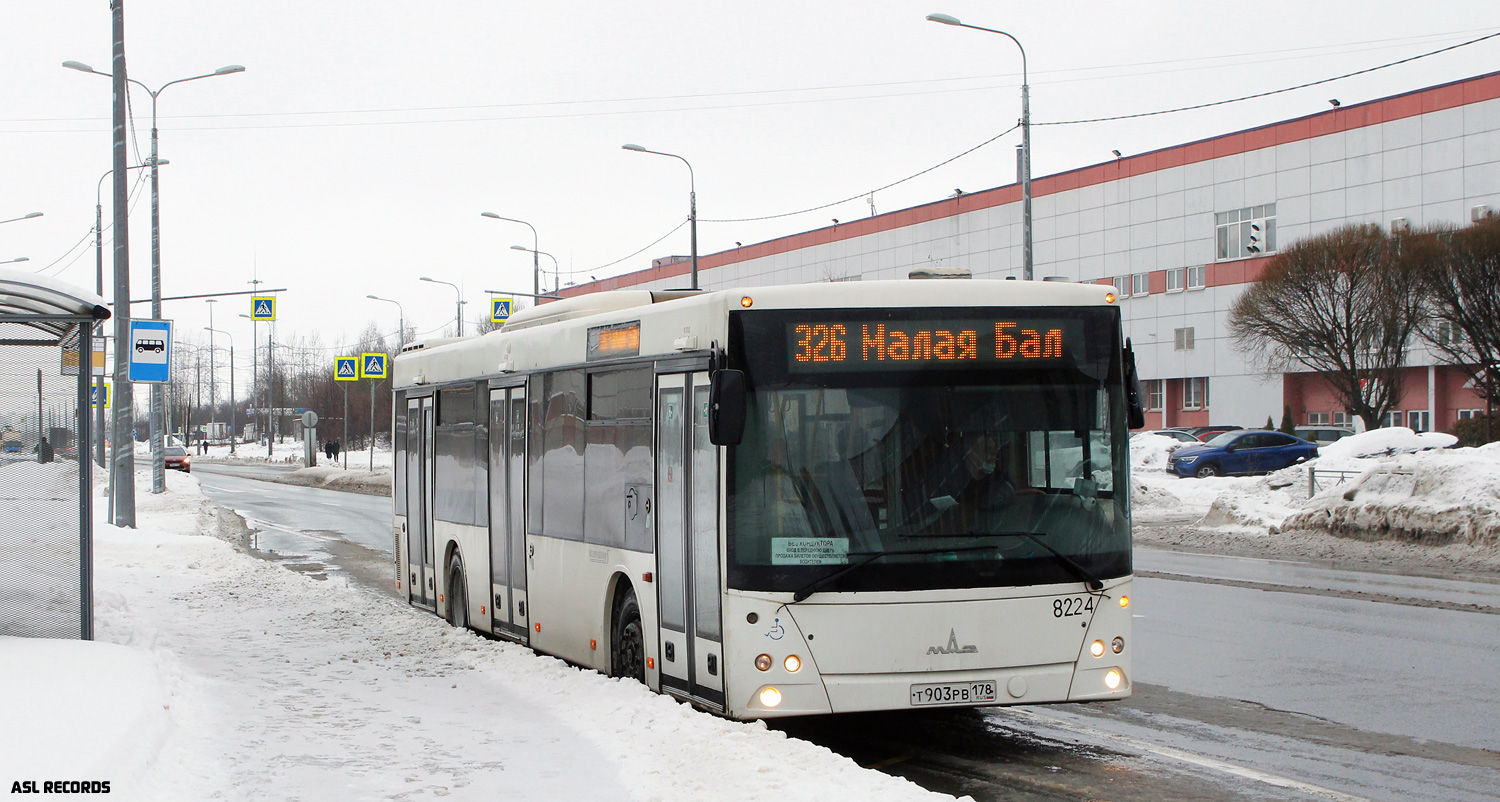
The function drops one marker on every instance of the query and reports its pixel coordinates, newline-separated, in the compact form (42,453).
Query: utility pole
(122,465)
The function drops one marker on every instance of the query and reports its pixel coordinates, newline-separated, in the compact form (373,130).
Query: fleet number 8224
(1072,605)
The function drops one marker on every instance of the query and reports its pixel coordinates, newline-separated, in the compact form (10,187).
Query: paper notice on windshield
(809,550)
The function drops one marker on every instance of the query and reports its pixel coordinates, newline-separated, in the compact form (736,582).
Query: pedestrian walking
(43,451)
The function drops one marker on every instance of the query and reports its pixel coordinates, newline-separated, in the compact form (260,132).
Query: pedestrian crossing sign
(500,309)
(263,308)
(94,391)
(346,368)
(372,366)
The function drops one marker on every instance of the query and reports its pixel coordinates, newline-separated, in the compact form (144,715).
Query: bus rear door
(419,428)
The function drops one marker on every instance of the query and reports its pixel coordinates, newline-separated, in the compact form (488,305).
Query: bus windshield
(972,479)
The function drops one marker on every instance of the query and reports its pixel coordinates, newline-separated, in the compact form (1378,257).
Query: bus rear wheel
(458,597)
(628,643)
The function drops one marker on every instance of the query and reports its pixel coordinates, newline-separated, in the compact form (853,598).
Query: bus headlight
(793,663)
(770,697)
(1117,645)
(763,662)
(1111,680)
(1097,648)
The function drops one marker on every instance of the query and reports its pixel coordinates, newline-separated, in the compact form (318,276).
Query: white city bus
(785,500)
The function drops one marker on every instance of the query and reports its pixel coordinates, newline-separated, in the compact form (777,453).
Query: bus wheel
(458,597)
(628,650)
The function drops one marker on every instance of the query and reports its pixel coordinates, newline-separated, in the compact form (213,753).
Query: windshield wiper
(872,556)
(1073,566)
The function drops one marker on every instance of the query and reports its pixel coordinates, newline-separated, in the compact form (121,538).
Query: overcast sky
(359,147)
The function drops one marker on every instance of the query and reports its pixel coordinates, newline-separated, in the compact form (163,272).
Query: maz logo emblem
(953,647)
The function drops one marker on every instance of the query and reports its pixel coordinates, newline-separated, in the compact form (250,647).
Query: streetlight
(692,203)
(22,217)
(232,419)
(213,389)
(536,269)
(400,335)
(17,259)
(1026,271)
(461,301)
(556,268)
(158,459)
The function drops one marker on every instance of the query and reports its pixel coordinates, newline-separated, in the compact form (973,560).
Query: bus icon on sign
(143,346)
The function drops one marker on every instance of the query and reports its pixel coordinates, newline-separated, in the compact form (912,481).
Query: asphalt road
(1255,679)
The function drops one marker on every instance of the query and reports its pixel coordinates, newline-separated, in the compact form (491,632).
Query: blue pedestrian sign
(150,350)
(94,392)
(500,309)
(346,368)
(372,366)
(263,308)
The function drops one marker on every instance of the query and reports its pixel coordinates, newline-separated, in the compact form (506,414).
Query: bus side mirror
(1134,408)
(726,402)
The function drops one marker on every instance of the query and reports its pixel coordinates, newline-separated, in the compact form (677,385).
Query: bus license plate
(953,693)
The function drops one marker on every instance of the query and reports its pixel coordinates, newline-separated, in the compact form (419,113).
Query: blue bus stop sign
(150,350)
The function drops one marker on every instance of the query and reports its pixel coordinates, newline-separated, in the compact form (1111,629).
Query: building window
(1175,278)
(1449,334)
(1182,339)
(1195,393)
(1420,420)
(1341,418)
(1196,277)
(1318,419)
(1393,418)
(1140,284)
(1122,286)
(1156,395)
(1244,233)
(1465,414)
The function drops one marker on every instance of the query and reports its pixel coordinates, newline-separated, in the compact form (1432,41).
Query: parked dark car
(1176,434)
(1323,435)
(1241,452)
(177,459)
(1205,433)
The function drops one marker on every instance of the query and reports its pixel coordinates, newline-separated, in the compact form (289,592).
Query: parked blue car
(1241,452)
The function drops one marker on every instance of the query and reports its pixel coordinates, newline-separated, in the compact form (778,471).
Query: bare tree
(1345,305)
(1461,269)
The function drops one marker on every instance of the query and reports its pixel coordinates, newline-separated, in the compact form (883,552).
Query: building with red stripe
(1181,232)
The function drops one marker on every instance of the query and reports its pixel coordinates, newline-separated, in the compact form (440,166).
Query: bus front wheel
(458,597)
(628,650)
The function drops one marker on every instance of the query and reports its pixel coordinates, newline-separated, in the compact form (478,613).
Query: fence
(46,528)
(1317,480)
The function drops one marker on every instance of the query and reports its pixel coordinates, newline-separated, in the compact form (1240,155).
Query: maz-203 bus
(785,500)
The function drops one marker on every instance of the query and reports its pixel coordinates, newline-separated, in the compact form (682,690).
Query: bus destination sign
(905,345)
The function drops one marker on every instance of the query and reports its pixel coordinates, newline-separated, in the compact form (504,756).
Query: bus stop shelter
(46,476)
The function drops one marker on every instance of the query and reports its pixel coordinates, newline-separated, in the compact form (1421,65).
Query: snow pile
(270,684)
(1434,497)
(1150,451)
(1383,442)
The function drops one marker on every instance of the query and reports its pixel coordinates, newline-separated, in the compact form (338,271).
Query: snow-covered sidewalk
(268,684)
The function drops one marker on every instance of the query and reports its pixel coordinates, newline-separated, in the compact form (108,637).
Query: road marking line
(1189,757)
(260,524)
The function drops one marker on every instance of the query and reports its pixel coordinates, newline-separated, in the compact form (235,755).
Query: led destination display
(905,345)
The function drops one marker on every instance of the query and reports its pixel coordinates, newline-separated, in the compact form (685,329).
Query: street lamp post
(158,458)
(17,259)
(461,301)
(400,335)
(213,360)
(24,216)
(556,268)
(232,419)
(536,267)
(1026,261)
(692,203)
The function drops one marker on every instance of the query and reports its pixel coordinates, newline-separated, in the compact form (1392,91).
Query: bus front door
(687,542)
(507,494)
(419,501)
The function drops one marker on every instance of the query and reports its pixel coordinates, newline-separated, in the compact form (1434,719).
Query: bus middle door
(687,545)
